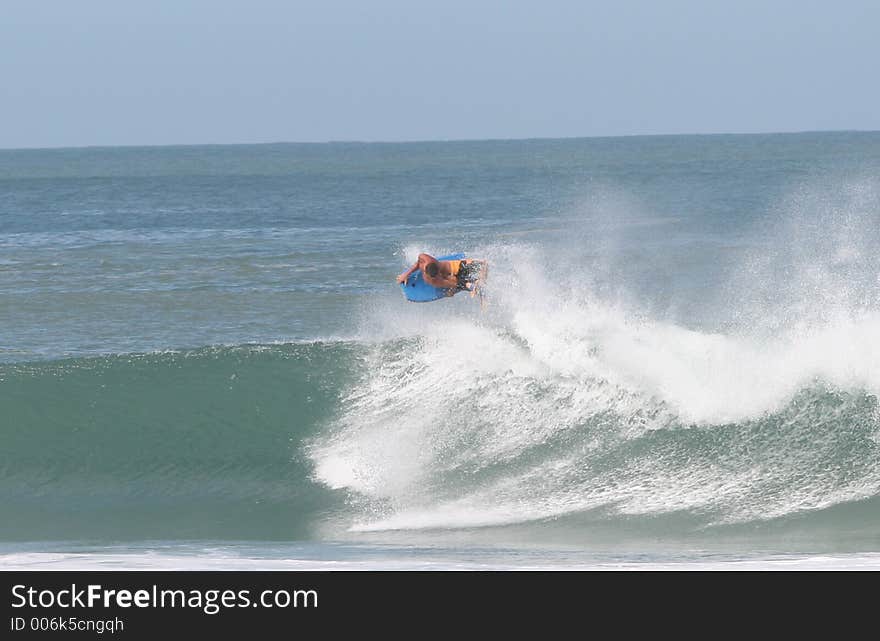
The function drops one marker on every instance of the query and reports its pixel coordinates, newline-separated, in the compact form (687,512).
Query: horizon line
(435,140)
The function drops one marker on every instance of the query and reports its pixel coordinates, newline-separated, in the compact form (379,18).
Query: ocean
(206,363)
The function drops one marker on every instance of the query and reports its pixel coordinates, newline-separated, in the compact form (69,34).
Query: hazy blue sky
(113,72)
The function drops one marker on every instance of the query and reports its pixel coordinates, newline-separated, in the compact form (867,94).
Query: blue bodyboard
(417,290)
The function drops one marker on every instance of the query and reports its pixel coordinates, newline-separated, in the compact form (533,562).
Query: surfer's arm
(402,277)
(423,259)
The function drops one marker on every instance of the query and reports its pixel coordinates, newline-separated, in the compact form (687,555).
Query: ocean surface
(205,361)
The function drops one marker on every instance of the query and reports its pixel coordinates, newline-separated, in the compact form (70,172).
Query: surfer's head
(432,270)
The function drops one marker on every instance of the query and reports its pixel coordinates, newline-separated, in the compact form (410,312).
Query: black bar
(330,602)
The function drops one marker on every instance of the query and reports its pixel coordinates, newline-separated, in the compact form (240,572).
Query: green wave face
(196,444)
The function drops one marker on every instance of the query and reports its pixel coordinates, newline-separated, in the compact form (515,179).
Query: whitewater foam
(546,405)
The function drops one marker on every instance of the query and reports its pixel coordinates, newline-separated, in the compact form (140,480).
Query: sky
(114,72)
